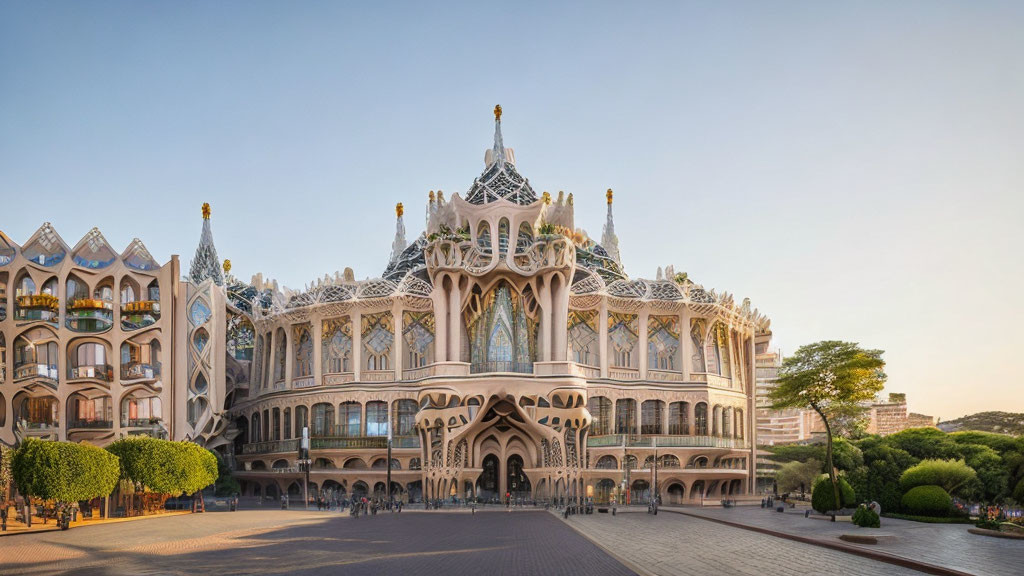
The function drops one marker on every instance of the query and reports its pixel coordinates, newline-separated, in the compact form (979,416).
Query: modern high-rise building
(777,426)
(502,352)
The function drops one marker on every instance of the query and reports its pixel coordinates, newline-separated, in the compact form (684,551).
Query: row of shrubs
(66,472)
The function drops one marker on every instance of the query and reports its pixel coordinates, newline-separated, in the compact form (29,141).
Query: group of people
(370,507)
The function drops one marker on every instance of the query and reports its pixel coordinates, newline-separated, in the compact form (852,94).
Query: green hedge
(950,475)
(823,498)
(866,517)
(64,471)
(930,519)
(165,467)
(928,501)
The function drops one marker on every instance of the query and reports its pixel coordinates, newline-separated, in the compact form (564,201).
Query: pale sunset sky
(855,169)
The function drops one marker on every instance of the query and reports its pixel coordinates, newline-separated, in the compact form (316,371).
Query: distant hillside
(999,422)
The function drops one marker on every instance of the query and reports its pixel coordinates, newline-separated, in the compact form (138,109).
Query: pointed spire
(399,245)
(609,240)
(206,264)
(499,146)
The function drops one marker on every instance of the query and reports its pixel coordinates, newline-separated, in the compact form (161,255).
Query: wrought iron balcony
(34,370)
(104,372)
(140,422)
(89,315)
(501,366)
(379,442)
(91,424)
(272,447)
(140,371)
(666,441)
(32,307)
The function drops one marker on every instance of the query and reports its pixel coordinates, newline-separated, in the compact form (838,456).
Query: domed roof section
(93,251)
(500,179)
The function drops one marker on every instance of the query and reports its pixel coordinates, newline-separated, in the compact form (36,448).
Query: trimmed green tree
(63,471)
(793,476)
(164,466)
(928,501)
(951,475)
(823,497)
(834,379)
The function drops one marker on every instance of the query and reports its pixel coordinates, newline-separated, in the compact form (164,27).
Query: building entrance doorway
(487,484)
(518,483)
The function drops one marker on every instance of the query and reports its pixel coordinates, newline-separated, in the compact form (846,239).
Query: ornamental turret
(609,241)
(399,244)
(206,264)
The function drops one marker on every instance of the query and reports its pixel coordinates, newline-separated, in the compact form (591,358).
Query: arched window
(196,408)
(323,419)
(405,417)
(35,357)
(303,352)
(678,414)
(525,238)
(625,416)
(700,417)
(378,338)
(622,339)
(483,237)
(418,331)
(287,423)
(607,463)
(662,342)
(275,433)
(301,420)
(697,336)
(256,434)
(583,337)
(279,355)
(503,234)
(89,360)
(739,424)
(140,411)
(376,418)
(351,417)
(650,416)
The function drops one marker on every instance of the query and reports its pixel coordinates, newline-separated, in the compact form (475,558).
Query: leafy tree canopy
(64,471)
(164,466)
(951,475)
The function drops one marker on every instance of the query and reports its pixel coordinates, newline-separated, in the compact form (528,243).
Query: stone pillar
(440,300)
(317,335)
(642,319)
(685,343)
(271,376)
(560,326)
(357,344)
(289,356)
(691,418)
(454,331)
(398,347)
(602,335)
(547,318)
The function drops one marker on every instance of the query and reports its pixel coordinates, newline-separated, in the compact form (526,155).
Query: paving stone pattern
(675,545)
(947,545)
(292,542)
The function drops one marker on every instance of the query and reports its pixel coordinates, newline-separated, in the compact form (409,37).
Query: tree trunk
(831,467)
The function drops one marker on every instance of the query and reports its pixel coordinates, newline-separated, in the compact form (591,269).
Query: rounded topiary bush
(866,518)
(823,498)
(928,501)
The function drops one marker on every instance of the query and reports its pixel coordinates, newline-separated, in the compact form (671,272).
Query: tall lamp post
(304,463)
(389,466)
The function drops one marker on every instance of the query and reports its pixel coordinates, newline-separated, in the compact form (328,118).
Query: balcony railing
(28,425)
(501,366)
(47,371)
(91,424)
(138,370)
(381,442)
(38,302)
(140,422)
(90,304)
(664,376)
(304,382)
(141,307)
(104,372)
(377,376)
(618,440)
(271,447)
(623,373)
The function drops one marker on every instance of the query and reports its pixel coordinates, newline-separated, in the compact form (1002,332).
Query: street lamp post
(389,466)
(304,463)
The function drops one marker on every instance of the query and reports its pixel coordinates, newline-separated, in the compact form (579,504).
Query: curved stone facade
(503,351)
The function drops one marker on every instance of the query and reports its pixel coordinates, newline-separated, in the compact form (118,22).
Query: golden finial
(206,210)
(546,197)
(431,195)
(497,112)
(608,195)
(399,210)
(227,266)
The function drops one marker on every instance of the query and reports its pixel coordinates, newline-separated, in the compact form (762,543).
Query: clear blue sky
(855,169)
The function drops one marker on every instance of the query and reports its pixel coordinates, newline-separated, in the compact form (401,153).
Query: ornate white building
(503,350)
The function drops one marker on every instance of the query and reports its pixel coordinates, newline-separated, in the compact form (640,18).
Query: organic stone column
(602,335)
(356,318)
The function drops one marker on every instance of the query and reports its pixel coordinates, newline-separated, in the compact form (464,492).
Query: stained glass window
(337,345)
(583,337)
(199,313)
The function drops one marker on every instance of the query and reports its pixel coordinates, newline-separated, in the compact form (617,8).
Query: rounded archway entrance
(604,491)
(518,484)
(487,484)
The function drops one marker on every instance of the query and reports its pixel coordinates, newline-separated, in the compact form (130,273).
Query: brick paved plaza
(490,542)
(286,542)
